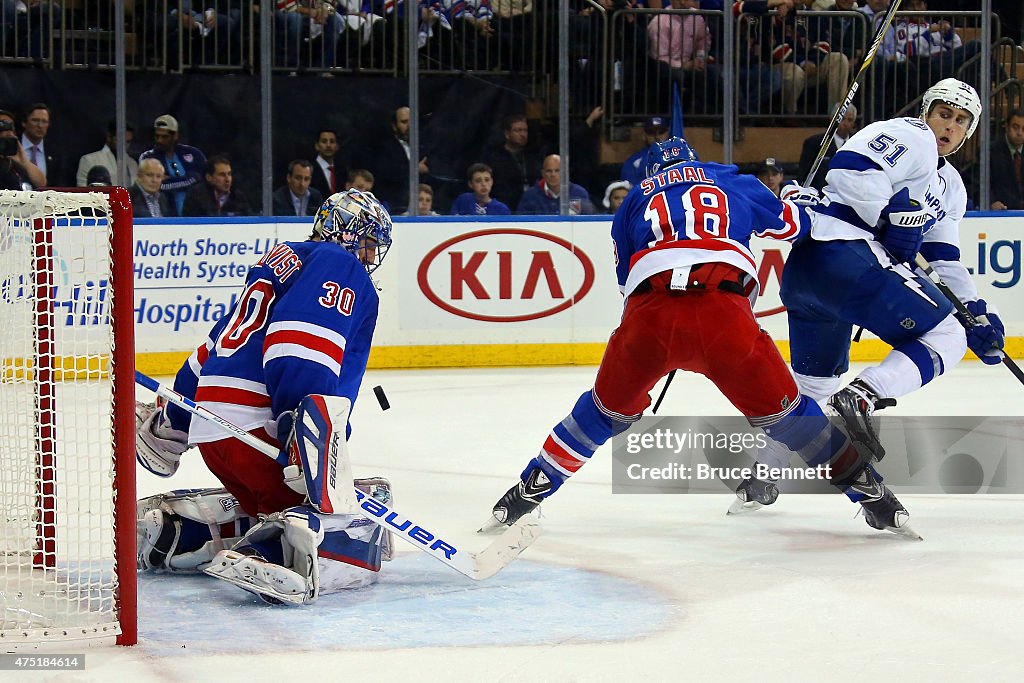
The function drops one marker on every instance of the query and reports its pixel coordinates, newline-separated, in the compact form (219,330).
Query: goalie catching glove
(987,335)
(158,445)
(904,221)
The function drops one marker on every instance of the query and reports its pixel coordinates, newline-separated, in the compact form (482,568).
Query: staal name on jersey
(685,174)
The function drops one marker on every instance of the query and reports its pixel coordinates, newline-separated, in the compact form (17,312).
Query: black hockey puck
(381,398)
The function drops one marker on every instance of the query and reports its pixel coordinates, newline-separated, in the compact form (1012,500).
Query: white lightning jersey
(875,164)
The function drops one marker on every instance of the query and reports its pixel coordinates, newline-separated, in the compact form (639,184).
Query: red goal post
(67,430)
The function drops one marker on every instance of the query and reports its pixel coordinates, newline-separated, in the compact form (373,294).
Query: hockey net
(67,477)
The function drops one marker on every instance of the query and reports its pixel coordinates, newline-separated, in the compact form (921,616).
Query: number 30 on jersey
(702,211)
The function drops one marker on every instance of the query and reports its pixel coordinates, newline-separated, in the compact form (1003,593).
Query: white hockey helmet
(957,94)
(357,221)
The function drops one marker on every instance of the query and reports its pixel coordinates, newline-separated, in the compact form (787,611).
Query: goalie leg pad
(181,531)
(351,553)
(318,446)
(328,553)
(379,488)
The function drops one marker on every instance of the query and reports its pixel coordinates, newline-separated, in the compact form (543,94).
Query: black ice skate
(753,494)
(521,499)
(855,405)
(882,510)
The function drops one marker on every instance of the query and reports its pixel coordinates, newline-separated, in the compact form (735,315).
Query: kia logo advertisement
(531,275)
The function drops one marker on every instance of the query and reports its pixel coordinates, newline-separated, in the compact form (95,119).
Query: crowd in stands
(790,48)
(175,179)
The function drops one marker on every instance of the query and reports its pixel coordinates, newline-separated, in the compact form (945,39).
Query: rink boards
(460,291)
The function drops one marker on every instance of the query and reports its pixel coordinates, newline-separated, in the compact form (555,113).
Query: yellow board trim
(64,369)
(511,355)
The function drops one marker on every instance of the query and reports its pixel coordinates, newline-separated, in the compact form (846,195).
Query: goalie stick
(964,315)
(477,566)
(854,87)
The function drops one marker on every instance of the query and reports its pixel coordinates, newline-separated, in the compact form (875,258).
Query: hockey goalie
(285,364)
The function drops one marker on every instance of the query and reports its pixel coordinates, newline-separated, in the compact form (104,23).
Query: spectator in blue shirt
(542,198)
(655,130)
(479,202)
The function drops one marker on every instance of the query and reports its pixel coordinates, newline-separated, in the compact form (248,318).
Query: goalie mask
(358,222)
(956,94)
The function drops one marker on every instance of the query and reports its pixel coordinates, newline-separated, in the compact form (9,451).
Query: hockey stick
(841,111)
(477,566)
(664,390)
(964,315)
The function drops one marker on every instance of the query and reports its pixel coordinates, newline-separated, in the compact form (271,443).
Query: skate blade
(905,532)
(492,527)
(740,507)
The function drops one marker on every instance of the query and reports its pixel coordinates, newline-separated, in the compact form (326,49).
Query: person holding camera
(16,171)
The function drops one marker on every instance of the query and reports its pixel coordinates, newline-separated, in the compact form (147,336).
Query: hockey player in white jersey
(285,364)
(890,195)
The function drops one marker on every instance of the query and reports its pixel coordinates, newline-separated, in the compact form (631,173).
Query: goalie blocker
(320,452)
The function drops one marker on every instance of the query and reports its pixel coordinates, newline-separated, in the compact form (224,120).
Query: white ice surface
(619,587)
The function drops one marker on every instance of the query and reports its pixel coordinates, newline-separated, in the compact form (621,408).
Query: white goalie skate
(271,582)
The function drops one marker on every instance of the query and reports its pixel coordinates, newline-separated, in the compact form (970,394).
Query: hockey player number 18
(705,215)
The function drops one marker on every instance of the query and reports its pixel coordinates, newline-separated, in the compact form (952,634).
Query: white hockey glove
(801,196)
(158,446)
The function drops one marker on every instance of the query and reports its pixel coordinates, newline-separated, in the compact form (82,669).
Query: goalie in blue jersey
(284,364)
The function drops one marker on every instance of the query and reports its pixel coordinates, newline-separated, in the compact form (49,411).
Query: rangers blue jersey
(303,325)
(697,213)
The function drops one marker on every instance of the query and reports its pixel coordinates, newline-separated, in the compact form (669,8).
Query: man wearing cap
(184,164)
(770,174)
(655,130)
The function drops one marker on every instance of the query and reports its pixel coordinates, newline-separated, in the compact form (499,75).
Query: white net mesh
(57,532)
